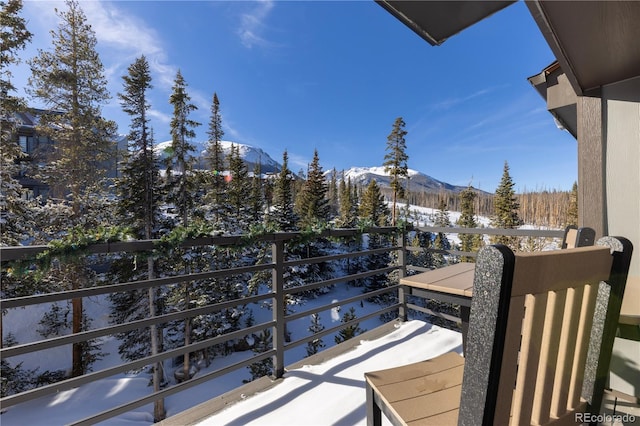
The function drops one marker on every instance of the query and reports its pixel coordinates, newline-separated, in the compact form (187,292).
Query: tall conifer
(505,210)
(138,204)
(395,162)
(69,80)
(282,214)
(214,154)
(15,36)
(467,219)
(312,205)
(180,161)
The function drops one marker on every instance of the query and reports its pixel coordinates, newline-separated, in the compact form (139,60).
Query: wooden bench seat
(540,340)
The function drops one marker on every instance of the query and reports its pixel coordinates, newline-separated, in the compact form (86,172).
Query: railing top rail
(13,253)
(551,233)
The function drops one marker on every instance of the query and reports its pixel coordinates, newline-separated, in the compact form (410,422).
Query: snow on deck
(333,393)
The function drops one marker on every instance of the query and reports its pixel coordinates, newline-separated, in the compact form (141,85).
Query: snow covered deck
(321,391)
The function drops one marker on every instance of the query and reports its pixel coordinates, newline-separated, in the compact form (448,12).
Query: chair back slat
(566,351)
(580,354)
(549,348)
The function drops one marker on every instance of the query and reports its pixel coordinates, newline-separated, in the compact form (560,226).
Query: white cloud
(128,37)
(252,25)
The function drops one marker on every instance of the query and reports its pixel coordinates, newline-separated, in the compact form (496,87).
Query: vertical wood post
(591,165)
(279,306)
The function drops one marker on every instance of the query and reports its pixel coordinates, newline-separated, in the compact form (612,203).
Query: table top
(458,279)
(454,279)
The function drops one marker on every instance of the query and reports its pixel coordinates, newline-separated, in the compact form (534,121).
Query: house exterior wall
(621,116)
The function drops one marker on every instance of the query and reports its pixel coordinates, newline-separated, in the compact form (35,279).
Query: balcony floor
(327,388)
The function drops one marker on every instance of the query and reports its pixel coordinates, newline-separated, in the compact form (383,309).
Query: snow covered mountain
(418,181)
(250,154)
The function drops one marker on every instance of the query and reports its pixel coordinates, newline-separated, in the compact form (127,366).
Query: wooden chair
(540,339)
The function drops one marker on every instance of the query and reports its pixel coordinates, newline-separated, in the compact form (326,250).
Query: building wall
(621,122)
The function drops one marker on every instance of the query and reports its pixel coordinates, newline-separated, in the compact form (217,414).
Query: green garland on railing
(70,248)
(74,245)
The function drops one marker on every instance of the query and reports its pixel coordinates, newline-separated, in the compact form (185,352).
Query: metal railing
(278,264)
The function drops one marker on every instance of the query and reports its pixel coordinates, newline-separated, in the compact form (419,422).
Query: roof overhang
(554,87)
(436,21)
(595,42)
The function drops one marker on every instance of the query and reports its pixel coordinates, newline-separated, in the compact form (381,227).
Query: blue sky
(333,76)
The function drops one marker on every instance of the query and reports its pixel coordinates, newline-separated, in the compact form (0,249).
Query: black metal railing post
(402,271)
(279,307)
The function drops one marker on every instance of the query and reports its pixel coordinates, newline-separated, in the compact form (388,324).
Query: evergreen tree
(572,213)
(16,213)
(282,214)
(348,209)
(468,242)
(312,205)
(316,327)
(395,162)
(441,241)
(350,331)
(374,212)
(215,155)
(138,201)
(373,209)
(14,225)
(180,161)
(256,196)
(138,188)
(238,194)
(70,81)
(506,207)
(333,196)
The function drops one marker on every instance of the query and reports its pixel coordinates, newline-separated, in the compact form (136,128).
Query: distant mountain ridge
(418,181)
(250,154)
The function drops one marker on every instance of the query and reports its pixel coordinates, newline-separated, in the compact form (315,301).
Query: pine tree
(238,193)
(215,155)
(374,212)
(70,81)
(395,162)
(138,201)
(572,213)
(333,196)
(441,241)
(348,209)
(180,161)
(282,214)
(138,188)
(350,331)
(468,242)
(14,225)
(316,327)
(506,208)
(312,205)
